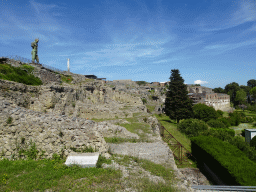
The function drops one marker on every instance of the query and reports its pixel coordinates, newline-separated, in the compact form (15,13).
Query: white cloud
(200,82)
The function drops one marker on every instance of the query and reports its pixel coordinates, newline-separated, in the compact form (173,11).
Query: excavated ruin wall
(88,101)
(51,133)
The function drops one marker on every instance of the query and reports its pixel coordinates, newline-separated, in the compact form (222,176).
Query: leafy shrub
(192,127)
(243,133)
(247,120)
(216,124)
(204,112)
(235,118)
(220,113)
(252,108)
(220,133)
(225,121)
(239,143)
(144,100)
(227,156)
(9,120)
(253,142)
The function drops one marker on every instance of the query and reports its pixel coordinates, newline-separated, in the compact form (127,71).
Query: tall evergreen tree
(177,103)
(251,83)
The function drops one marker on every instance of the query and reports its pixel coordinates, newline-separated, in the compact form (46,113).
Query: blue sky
(212,42)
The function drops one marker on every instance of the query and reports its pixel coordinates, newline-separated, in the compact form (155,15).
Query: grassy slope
(19,74)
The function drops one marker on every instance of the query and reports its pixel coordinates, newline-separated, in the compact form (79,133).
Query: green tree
(177,103)
(253,92)
(247,91)
(253,142)
(192,127)
(231,90)
(245,88)
(204,112)
(251,83)
(240,96)
(218,90)
(214,123)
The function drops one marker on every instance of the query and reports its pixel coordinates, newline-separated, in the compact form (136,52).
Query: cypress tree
(177,103)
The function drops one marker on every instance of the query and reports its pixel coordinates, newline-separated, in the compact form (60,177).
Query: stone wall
(51,133)
(46,76)
(86,101)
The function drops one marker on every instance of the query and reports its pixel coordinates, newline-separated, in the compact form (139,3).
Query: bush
(252,108)
(225,121)
(247,120)
(220,133)
(204,112)
(243,133)
(144,100)
(9,120)
(235,118)
(253,142)
(220,113)
(216,124)
(192,127)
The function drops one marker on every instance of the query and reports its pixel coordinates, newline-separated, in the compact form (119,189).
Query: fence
(179,151)
(223,188)
(25,60)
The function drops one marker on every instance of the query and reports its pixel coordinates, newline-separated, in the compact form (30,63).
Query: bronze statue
(34,46)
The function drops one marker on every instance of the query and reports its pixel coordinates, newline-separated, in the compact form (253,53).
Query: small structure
(91,76)
(82,159)
(249,134)
(155,83)
(68,66)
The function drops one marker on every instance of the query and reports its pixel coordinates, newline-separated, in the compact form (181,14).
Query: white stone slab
(82,159)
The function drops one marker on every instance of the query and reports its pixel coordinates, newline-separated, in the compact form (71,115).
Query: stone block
(82,159)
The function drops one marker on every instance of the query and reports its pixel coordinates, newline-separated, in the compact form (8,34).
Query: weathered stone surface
(82,159)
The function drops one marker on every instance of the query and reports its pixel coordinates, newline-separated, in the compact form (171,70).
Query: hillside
(64,112)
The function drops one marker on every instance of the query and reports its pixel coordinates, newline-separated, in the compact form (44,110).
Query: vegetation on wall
(66,78)
(19,74)
(141,82)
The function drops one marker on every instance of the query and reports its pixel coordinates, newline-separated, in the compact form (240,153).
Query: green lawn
(54,175)
(171,127)
(31,175)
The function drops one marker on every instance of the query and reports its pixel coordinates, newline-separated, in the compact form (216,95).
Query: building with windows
(200,94)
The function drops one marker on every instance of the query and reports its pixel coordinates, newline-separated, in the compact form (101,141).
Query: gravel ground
(157,152)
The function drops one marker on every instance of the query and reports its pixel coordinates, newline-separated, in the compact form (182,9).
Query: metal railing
(179,151)
(25,60)
(223,188)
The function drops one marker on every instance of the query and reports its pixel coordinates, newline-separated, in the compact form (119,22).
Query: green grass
(144,184)
(117,140)
(151,108)
(31,175)
(18,74)
(136,127)
(171,127)
(66,78)
(40,175)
